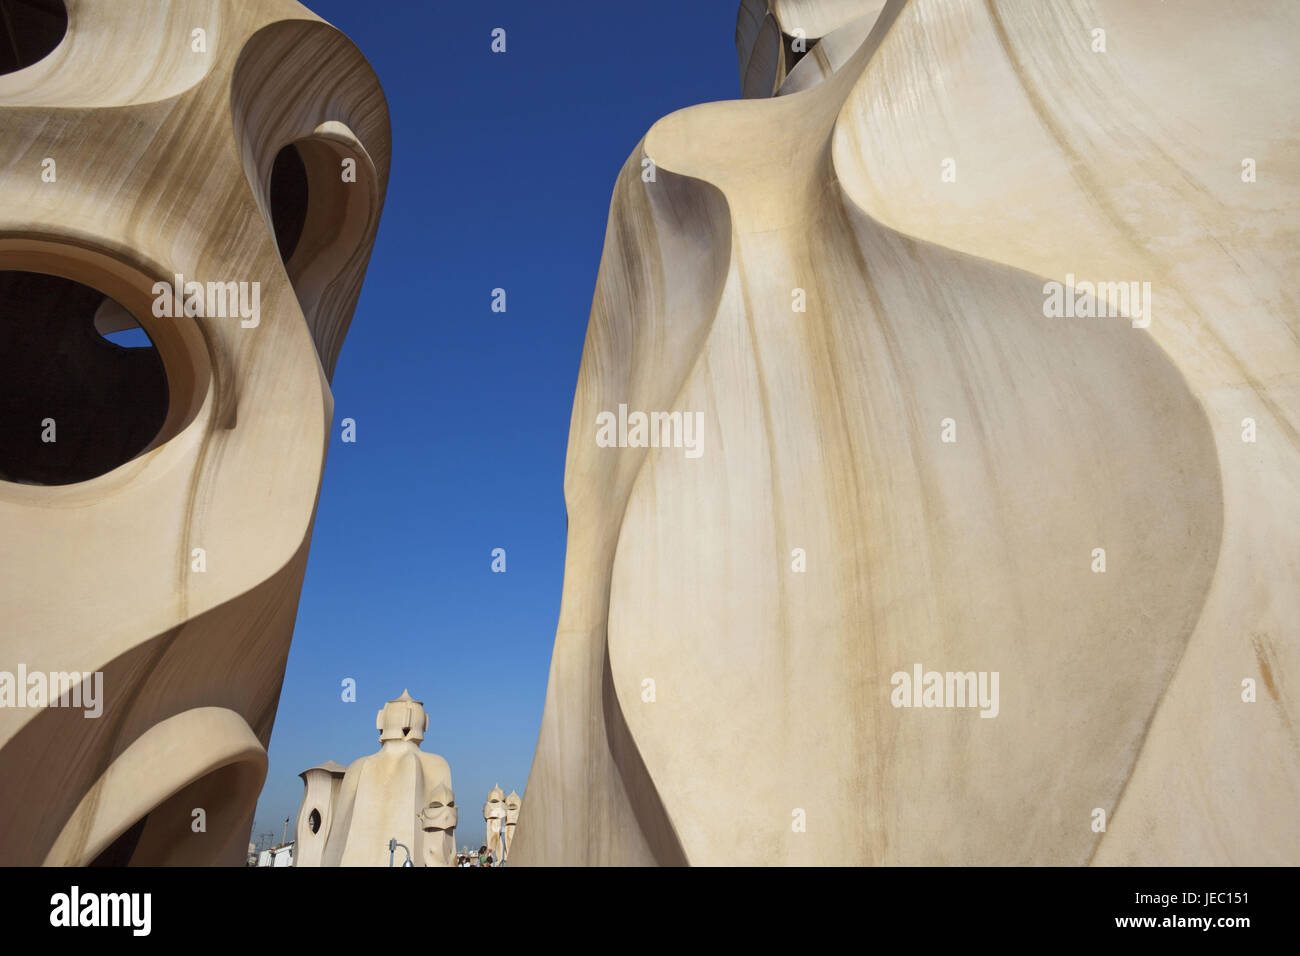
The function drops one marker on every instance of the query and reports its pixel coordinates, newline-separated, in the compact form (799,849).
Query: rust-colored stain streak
(1262,655)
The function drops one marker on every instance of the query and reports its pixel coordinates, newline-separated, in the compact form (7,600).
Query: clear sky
(503,167)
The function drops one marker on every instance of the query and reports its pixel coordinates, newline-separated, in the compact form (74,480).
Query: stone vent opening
(74,403)
(289,195)
(29,31)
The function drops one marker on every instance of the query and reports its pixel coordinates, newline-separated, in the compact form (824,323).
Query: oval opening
(288,199)
(320,198)
(164,836)
(84,389)
(29,31)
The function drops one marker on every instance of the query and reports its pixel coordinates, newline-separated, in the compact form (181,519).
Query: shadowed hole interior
(793,56)
(288,199)
(74,403)
(119,852)
(29,31)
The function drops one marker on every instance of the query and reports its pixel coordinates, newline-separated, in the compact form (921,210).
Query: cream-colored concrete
(693,655)
(438,824)
(164,154)
(399,793)
(494,817)
(316,815)
(513,806)
(204,758)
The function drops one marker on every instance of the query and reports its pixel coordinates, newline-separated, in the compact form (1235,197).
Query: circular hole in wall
(313,821)
(82,387)
(29,31)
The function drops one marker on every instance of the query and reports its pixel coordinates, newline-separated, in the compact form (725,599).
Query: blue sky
(503,167)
